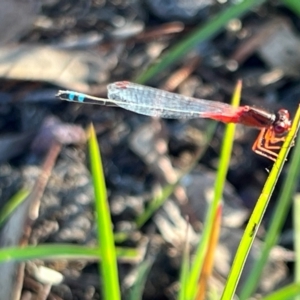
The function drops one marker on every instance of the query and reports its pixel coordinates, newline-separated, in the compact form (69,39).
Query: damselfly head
(282,122)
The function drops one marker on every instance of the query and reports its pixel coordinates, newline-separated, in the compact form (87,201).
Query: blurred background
(83,45)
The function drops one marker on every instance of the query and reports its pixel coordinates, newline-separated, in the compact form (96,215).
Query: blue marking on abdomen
(71,96)
(81,98)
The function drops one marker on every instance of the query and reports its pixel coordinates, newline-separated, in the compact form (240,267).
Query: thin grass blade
(51,251)
(12,204)
(210,255)
(144,268)
(185,266)
(296,213)
(157,202)
(286,293)
(278,219)
(254,222)
(293,5)
(202,33)
(213,209)
(107,250)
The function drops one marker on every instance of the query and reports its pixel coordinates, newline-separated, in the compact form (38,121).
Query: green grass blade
(213,209)
(108,265)
(185,266)
(12,204)
(136,292)
(202,33)
(255,221)
(285,293)
(293,5)
(296,213)
(56,251)
(279,216)
(207,269)
(157,202)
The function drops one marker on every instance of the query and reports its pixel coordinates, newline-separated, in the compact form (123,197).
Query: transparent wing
(158,103)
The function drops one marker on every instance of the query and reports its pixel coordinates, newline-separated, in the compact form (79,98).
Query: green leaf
(204,32)
(215,204)
(12,204)
(107,250)
(254,223)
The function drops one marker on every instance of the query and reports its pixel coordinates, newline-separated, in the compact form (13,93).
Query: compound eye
(285,113)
